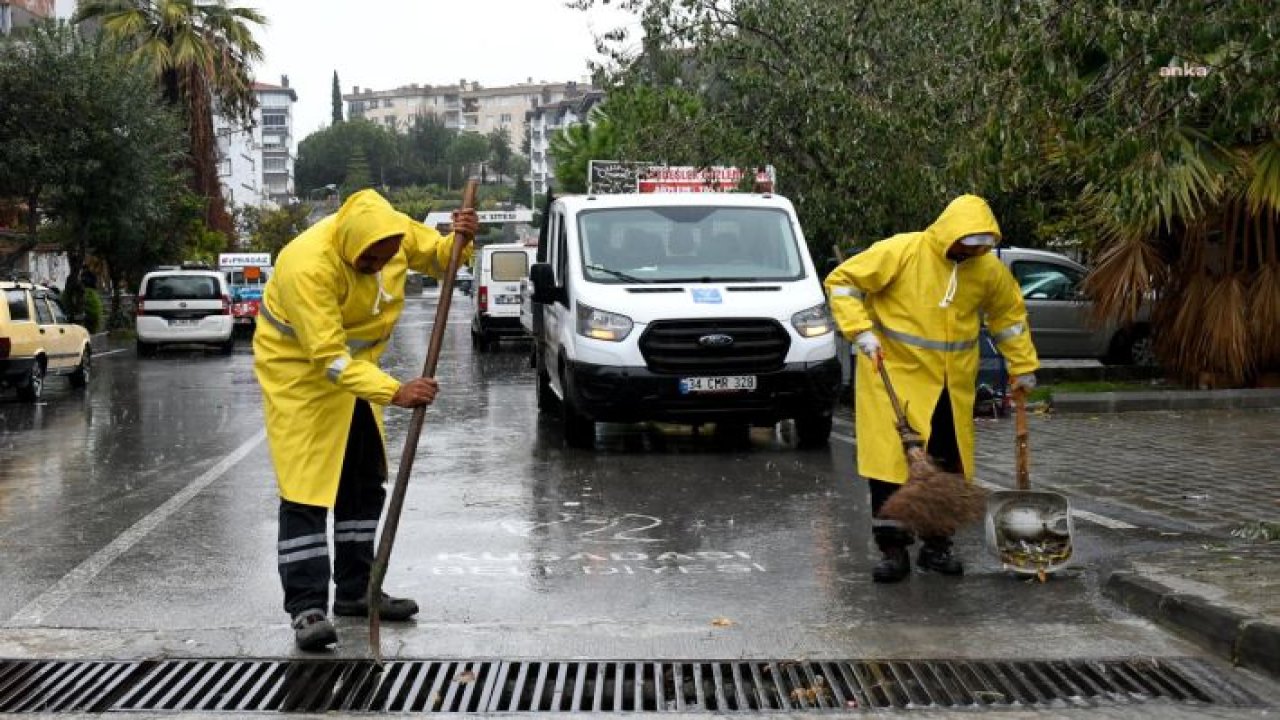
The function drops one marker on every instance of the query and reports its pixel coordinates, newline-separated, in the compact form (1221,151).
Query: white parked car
(184,307)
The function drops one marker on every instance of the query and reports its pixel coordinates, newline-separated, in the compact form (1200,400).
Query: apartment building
(16,14)
(544,121)
(256,165)
(464,106)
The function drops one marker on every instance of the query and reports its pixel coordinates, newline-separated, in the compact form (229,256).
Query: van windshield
(688,244)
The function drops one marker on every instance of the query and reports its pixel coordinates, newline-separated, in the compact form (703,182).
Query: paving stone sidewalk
(1217,472)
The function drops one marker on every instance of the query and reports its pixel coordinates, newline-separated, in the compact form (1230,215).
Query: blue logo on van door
(706,295)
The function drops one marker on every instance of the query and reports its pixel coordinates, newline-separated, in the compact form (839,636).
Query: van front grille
(754,345)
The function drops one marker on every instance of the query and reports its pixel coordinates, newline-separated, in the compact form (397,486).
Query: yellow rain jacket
(926,310)
(322,327)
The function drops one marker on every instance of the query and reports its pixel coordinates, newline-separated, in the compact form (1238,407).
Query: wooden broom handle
(1023,474)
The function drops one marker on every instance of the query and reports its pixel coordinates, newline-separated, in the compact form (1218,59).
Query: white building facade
(544,122)
(256,165)
(464,106)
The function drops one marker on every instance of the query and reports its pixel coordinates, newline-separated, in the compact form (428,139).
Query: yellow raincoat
(322,327)
(926,310)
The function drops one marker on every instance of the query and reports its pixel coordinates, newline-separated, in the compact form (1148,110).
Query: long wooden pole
(391,522)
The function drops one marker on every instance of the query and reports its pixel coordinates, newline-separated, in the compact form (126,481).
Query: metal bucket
(1030,531)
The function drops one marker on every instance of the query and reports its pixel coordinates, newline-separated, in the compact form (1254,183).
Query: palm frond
(1264,186)
(1127,271)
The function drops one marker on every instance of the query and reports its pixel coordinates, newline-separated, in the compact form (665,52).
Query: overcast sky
(383,44)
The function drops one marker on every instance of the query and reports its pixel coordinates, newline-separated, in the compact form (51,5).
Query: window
(386,102)
(683,244)
(43,315)
(17,301)
(59,316)
(182,287)
(274,164)
(274,119)
(1047,281)
(389,121)
(509,266)
(505,118)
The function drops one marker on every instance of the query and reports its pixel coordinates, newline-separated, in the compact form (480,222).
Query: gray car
(1061,316)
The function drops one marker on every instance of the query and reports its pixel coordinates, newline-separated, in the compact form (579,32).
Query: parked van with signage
(689,307)
(500,270)
(247,275)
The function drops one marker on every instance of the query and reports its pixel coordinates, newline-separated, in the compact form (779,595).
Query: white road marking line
(1092,517)
(84,573)
(109,352)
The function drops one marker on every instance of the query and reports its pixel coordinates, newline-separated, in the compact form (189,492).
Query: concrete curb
(1113,402)
(1241,639)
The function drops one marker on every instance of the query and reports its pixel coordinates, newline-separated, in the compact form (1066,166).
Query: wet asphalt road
(138,520)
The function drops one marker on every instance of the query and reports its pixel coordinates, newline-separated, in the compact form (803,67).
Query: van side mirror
(544,283)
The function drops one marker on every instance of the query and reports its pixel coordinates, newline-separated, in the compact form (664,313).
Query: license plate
(506,299)
(722,383)
(184,323)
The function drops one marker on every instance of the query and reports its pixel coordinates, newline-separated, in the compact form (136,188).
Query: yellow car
(37,340)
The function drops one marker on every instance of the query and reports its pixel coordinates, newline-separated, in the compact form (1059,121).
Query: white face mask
(981,239)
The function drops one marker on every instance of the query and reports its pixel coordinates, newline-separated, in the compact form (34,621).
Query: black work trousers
(945,451)
(303,550)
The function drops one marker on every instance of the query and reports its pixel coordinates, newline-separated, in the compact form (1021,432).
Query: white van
(681,307)
(184,307)
(500,269)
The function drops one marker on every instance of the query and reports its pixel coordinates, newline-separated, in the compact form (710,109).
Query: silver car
(1061,316)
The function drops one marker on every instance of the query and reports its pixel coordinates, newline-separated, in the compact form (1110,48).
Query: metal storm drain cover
(425,686)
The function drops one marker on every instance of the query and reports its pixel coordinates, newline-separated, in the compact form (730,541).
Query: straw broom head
(934,503)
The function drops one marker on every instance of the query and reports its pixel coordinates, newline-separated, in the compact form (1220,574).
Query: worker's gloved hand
(466,223)
(416,392)
(1024,383)
(868,344)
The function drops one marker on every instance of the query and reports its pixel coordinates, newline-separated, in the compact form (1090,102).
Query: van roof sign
(607,177)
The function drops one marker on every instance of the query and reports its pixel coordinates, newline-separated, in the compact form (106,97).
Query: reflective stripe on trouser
(356,512)
(943,448)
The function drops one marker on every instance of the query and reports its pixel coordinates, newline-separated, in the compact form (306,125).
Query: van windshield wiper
(616,273)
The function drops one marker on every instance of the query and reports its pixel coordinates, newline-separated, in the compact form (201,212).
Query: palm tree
(200,52)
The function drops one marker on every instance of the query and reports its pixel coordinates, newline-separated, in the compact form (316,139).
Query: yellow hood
(364,219)
(966,215)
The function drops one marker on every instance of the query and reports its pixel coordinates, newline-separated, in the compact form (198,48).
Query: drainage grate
(29,686)
(419,686)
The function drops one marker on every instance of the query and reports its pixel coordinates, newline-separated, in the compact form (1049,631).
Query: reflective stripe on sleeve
(354,537)
(927,344)
(336,367)
(1009,333)
(846,291)
(881,522)
(277,323)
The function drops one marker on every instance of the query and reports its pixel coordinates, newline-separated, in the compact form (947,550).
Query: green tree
(336,100)
(500,151)
(465,151)
(357,176)
(574,147)
(270,229)
(107,158)
(426,148)
(201,54)
(324,156)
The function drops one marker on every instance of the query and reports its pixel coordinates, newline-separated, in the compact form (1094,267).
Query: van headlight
(603,325)
(814,321)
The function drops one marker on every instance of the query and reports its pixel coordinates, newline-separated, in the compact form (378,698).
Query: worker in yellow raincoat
(325,318)
(917,301)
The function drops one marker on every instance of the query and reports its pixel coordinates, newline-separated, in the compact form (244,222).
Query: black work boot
(936,555)
(389,608)
(896,563)
(312,631)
